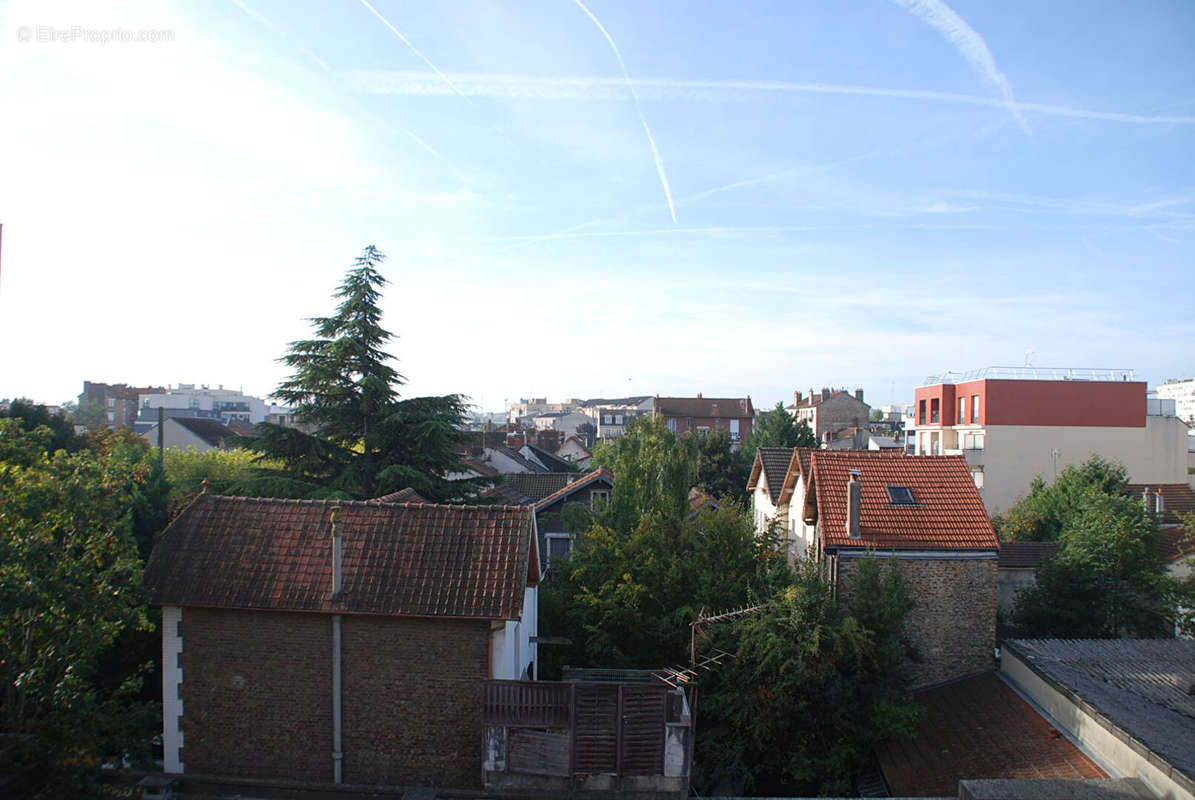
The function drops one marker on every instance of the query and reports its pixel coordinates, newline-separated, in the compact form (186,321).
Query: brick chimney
(854,506)
(337,572)
(796,397)
(859,395)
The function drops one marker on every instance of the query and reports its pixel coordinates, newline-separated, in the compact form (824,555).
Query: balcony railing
(1031,374)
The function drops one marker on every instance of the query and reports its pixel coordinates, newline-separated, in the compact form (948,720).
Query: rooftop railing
(1031,374)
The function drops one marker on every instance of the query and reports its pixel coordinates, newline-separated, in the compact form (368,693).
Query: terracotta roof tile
(978,728)
(1174,543)
(728,407)
(401,560)
(1176,498)
(407,495)
(947,512)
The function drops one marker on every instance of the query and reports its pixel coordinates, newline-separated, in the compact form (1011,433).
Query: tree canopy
(778,428)
(1108,578)
(355,438)
(70,574)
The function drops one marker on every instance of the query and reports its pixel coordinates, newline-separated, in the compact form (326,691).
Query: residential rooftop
(1031,374)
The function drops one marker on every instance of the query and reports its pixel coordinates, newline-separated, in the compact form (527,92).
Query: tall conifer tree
(355,437)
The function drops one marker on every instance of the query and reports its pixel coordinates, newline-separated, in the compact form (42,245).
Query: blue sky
(772,196)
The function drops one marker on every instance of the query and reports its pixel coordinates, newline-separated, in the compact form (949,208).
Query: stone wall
(953,624)
(257,697)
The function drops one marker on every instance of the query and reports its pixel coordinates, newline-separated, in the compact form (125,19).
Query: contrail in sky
(281,34)
(414,49)
(528,87)
(969,43)
(634,95)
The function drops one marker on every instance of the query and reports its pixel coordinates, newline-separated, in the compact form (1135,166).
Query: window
(599,496)
(618,419)
(734,430)
(111,402)
(559,546)
(977,476)
(974,409)
(703,430)
(607,419)
(112,417)
(962,410)
(900,495)
(921,415)
(672,426)
(935,412)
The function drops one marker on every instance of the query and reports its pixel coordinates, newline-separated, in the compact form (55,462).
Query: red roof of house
(978,728)
(947,513)
(729,407)
(399,560)
(1174,542)
(1176,498)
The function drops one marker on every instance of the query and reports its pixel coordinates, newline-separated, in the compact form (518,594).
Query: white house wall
(1014,454)
(172,678)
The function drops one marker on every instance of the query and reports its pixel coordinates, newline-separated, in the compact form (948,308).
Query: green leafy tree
(365,440)
(811,689)
(778,428)
(626,599)
(1108,578)
(1048,509)
(90,415)
(722,469)
(654,469)
(70,574)
(33,415)
(231,472)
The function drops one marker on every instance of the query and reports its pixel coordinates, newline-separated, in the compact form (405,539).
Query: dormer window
(900,496)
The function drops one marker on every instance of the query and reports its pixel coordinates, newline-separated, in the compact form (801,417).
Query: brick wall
(412,701)
(256,694)
(257,689)
(953,624)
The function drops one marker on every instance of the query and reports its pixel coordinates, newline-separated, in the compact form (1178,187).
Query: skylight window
(900,496)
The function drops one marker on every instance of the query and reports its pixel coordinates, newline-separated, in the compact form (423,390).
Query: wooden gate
(569,729)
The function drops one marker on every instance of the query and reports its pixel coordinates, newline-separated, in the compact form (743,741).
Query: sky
(598,198)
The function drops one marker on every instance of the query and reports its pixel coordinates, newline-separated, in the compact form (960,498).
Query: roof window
(900,495)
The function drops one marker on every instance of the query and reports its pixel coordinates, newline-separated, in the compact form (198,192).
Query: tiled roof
(817,398)
(480,467)
(212,431)
(947,515)
(1176,497)
(407,495)
(728,407)
(1174,542)
(506,495)
(548,460)
(978,728)
(1139,686)
(798,466)
(538,485)
(1025,555)
(601,474)
(400,560)
(772,463)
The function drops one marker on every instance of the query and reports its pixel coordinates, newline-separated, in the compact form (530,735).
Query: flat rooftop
(1031,374)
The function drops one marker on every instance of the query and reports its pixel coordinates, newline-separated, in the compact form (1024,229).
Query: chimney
(854,505)
(699,395)
(337,576)
(859,395)
(1145,501)
(796,397)
(1161,506)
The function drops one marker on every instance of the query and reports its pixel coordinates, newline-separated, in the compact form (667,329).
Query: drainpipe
(337,754)
(337,586)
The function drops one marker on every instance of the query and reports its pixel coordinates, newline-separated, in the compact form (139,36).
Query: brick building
(926,513)
(119,401)
(339,642)
(1012,423)
(830,410)
(703,414)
